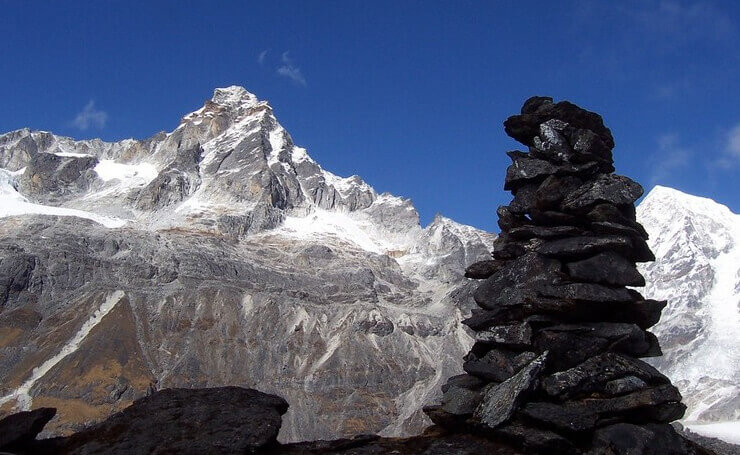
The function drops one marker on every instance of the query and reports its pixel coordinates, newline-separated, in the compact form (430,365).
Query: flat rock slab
(502,400)
(223,420)
(432,442)
(596,372)
(23,427)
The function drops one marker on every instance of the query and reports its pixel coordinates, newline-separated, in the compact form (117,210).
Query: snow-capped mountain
(221,253)
(696,242)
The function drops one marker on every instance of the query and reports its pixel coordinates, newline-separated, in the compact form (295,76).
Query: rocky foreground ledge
(234,420)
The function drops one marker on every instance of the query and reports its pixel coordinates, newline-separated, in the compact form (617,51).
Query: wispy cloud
(684,21)
(672,155)
(731,153)
(289,70)
(90,116)
(261,57)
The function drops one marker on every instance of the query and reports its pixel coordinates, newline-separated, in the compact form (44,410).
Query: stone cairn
(555,366)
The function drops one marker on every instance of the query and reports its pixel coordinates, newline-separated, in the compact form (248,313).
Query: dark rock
(629,439)
(511,335)
(588,146)
(552,218)
(534,440)
(535,103)
(593,375)
(611,214)
(505,248)
(551,144)
(461,401)
(607,227)
(524,170)
(529,231)
(188,421)
(587,292)
(498,365)
(481,319)
(16,271)
(465,381)
(530,269)
(508,220)
(588,413)
(17,431)
(525,199)
(501,401)
(577,340)
(624,385)
(582,247)
(483,269)
(525,127)
(606,268)
(434,441)
(554,189)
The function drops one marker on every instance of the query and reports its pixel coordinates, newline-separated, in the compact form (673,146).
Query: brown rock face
(555,297)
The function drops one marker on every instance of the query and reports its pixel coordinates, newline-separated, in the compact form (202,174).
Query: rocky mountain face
(222,254)
(697,269)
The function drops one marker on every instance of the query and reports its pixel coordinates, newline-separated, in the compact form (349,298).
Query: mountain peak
(234,96)
(667,200)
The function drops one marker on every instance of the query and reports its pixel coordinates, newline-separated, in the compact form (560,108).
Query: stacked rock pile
(555,366)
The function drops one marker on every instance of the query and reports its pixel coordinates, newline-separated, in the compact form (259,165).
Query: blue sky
(409,95)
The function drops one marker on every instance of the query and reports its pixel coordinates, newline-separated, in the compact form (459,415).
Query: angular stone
(624,385)
(534,440)
(529,231)
(483,269)
(465,381)
(512,335)
(495,366)
(524,170)
(461,401)
(526,126)
(551,144)
(586,414)
(587,146)
(593,375)
(505,248)
(608,188)
(218,420)
(481,319)
(553,190)
(587,292)
(18,430)
(528,270)
(608,227)
(507,220)
(501,401)
(572,248)
(611,214)
(525,199)
(629,439)
(606,268)
(552,218)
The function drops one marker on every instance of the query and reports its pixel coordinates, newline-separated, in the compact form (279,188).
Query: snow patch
(130,175)
(726,431)
(22,395)
(12,203)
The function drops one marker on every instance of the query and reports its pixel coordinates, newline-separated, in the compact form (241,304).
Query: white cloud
(671,156)
(261,57)
(89,116)
(731,153)
(289,70)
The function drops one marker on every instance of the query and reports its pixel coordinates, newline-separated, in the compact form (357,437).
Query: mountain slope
(697,245)
(221,253)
